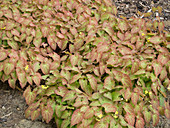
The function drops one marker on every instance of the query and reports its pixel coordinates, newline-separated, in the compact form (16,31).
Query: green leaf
(47,113)
(167,113)
(128,108)
(73,60)
(61,91)
(127,94)
(135,67)
(38,34)
(45,30)
(65,123)
(12,83)
(84,86)
(134,97)
(115,96)
(77,117)
(8,68)
(13,44)
(37,42)
(122,25)
(37,78)
(162,58)
(30,97)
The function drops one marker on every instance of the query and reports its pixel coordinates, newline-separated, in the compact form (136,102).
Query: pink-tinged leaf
(35,114)
(128,36)
(163,59)
(155,40)
(124,50)
(73,30)
(50,91)
(3,55)
(135,67)
(140,123)
(27,113)
(135,29)
(120,35)
(30,97)
(36,66)
(89,113)
(21,77)
(76,117)
(155,119)
(134,97)
(45,67)
(147,116)
(126,81)
(37,78)
(61,91)
(85,87)
(70,95)
(130,118)
(12,83)
(22,37)
(127,94)
(157,68)
(29,39)
(109,83)
(65,123)
(123,26)
(101,124)
(102,48)
(118,75)
(74,60)
(112,60)
(38,34)
(60,35)
(139,44)
(45,31)
(37,42)
(13,44)
(128,108)
(154,87)
(167,113)
(8,13)
(47,113)
(161,26)
(15,32)
(75,78)
(93,81)
(8,68)
(109,107)
(109,30)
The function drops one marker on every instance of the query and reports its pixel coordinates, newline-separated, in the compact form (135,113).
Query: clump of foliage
(83,66)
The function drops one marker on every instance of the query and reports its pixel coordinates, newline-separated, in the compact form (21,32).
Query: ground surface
(12,104)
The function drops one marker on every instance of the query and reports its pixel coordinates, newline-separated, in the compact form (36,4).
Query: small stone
(3,107)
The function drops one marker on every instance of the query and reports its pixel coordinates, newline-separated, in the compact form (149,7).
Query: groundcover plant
(82,65)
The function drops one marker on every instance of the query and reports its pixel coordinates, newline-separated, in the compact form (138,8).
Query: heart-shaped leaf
(47,113)
(76,117)
(8,68)
(3,55)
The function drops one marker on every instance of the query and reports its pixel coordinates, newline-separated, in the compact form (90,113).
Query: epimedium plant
(82,65)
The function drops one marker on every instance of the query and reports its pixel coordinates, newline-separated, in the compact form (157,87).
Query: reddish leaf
(45,30)
(35,114)
(128,108)
(109,107)
(47,113)
(60,35)
(3,55)
(135,29)
(139,123)
(73,30)
(13,44)
(37,78)
(8,13)
(120,35)
(37,42)
(101,124)
(21,77)
(74,60)
(102,48)
(76,117)
(123,26)
(112,60)
(130,118)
